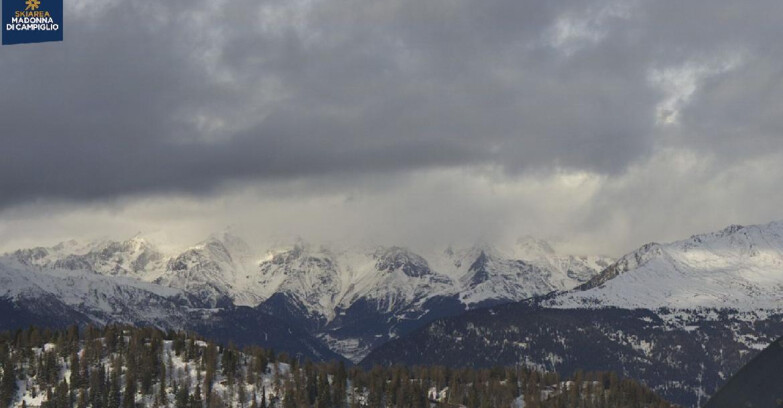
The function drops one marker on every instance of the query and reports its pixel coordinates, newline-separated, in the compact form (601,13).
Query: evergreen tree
(196,400)
(8,385)
(241,394)
(162,390)
(129,397)
(181,398)
(114,395)
(75,366)
(97,387)
(324,398)
(340,382)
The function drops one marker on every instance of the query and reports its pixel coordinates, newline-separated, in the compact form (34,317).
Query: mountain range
(681,316)
(347,300)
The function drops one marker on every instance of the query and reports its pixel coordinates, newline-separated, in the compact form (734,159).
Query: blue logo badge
(32,21)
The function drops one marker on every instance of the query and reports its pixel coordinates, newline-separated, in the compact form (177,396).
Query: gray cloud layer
(186,96)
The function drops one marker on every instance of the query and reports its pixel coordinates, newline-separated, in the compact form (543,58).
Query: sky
(599,125)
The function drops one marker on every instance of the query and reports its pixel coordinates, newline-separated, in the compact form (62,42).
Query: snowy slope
(738,267)
(396,278)
(217,269)
(323,280)
(101,298)
(302,283)
(353,299)
(491,277)
(32,392)
(484,274)
(135,258)
(568,270)
(392,291)
(220,269)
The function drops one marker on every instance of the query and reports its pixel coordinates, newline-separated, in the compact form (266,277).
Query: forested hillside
(126,367)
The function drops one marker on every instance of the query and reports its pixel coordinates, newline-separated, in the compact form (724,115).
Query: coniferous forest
(125,367)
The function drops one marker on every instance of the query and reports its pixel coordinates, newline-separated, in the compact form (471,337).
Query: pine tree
(97,387)
(324,398)
(196,400)
(75,366)
(8,382)
(83,401)
(114,395)
(311,381)
(129,398)
(181,397)
(241,394)
(162,391)
(340,382)
(288,398)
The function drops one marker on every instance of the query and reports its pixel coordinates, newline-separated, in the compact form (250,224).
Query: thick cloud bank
(279,103)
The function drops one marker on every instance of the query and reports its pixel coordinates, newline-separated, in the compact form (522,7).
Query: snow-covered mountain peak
(299,252)
(736,267)
(398,258)
(218,268)
(224,242)
(731,229)
(479,270)
(456,262)
(70,245)
(133,258)
(627,262)
(528,247)
(306,277)
(45,256)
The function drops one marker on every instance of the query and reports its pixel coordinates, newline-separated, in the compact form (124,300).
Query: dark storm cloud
(145,97)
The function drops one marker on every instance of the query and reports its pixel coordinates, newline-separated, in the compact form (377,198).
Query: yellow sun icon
(32,4)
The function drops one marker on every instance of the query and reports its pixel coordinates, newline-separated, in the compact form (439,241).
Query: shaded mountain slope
(758,384)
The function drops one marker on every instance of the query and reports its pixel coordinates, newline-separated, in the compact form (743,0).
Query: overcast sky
(601,125)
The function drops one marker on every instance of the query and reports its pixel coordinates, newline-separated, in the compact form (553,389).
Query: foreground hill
(132,367)
(758,384)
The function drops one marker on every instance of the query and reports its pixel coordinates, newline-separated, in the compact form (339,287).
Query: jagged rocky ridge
(682,317)
(346,301)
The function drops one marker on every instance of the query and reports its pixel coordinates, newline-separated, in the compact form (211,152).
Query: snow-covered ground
(177,369)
